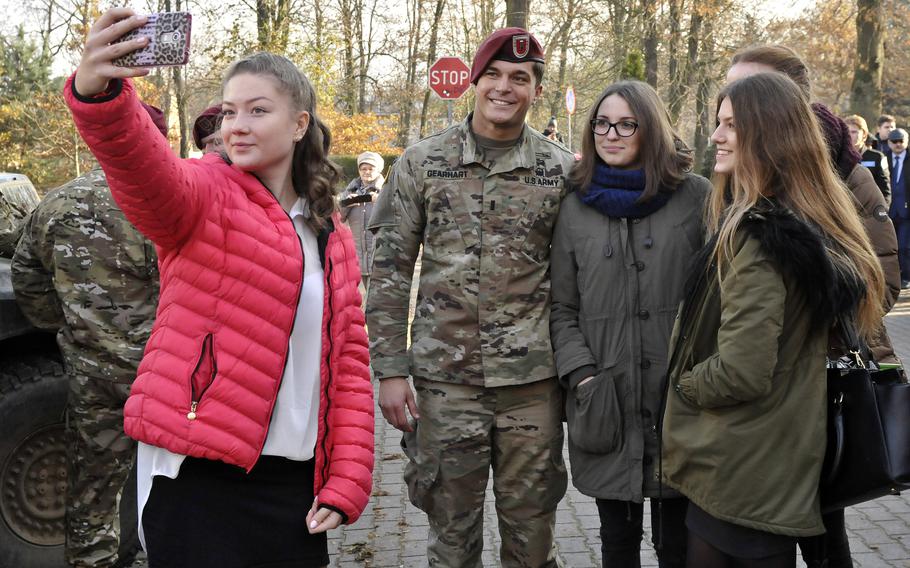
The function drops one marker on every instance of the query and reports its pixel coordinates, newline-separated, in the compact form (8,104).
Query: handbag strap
(855,346)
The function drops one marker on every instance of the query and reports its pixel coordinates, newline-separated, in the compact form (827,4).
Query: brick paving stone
(893,551)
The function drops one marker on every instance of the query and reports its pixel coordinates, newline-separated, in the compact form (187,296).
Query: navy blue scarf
(615,192)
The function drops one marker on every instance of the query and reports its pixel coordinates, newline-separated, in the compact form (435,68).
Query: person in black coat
(900,192)
(875,161)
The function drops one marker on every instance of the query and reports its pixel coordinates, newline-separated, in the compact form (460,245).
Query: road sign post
(570,108)
(449,78)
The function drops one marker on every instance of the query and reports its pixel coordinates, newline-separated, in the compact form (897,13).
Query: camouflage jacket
(17,200)
(483,304)
(81,268)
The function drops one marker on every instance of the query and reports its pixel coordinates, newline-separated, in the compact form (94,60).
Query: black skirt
(736,540)
(216,515)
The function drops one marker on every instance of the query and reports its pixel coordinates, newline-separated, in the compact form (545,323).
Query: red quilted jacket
(231,272)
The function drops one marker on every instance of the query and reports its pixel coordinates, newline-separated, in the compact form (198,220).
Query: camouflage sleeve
(33,271)
(398,222)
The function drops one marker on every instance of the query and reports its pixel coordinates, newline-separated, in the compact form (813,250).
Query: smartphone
(169,41)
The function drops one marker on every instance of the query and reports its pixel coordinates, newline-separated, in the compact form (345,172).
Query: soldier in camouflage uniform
(482,198)
(82,269)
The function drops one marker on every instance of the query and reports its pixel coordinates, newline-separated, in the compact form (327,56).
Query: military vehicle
(33,390)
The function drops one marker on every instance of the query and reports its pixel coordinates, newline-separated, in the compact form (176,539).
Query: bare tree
(650,41)
(350,12)
(683,79)
(415,24)
(560,42)
(431,58)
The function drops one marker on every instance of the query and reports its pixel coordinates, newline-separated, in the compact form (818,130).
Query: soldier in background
(83,270)
(482,198)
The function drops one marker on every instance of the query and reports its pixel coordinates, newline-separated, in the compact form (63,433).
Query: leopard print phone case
(169,41)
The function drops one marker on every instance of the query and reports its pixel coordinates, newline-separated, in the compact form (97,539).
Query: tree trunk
(685,79)
(415,17)
(649,45)
(517,13)
(619,21)
(704,162)
(273,20)
(180,93)
(563,36)
(866,91)
(348,82)
(431,58)
(673,42)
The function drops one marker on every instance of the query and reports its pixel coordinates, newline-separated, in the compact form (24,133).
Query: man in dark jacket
(899,212)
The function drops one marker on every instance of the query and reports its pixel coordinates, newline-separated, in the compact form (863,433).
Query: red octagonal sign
(449,77)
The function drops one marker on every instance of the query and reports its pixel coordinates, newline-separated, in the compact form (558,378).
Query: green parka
(744,428)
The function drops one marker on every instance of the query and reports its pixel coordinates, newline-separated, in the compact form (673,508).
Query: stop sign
(449,77)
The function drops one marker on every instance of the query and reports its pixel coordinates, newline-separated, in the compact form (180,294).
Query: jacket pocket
(594,415)
(534,231)
(203,374)
(421,471)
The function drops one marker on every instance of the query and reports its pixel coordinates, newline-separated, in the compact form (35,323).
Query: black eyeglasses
(624,128)
(901,141)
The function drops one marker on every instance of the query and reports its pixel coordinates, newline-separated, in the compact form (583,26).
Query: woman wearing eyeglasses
(622,244)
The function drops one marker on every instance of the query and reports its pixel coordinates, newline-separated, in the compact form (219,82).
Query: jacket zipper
(208,347)
(328,366)
(284,364)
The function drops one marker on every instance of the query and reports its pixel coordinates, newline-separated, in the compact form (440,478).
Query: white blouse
(294,424)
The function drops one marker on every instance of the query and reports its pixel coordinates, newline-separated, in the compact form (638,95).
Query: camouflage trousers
(100,456)
(465,430)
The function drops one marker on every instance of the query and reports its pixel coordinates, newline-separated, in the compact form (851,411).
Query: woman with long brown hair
(622,243)
(744,428)
(832,549)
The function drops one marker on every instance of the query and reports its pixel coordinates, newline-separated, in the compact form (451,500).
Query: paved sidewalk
(392,532)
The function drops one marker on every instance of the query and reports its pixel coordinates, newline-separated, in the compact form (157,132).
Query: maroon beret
(157,117)
(206,124)
(508,44)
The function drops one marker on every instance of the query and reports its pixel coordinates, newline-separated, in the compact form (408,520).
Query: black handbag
(868,452)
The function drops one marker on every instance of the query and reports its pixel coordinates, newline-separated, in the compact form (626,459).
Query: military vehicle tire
(33,464)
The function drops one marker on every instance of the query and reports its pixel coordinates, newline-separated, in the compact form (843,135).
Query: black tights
(700,553)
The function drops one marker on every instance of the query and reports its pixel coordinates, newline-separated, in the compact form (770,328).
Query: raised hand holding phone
(168,36)
(96,69)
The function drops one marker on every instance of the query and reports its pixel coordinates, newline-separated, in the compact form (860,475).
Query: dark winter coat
(877,163)
(744,429)
(616,286)
(873,212)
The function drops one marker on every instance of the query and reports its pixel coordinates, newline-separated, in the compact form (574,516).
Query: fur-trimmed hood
(798,249)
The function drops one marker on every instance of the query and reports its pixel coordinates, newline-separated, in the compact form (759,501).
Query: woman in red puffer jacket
(258,357)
